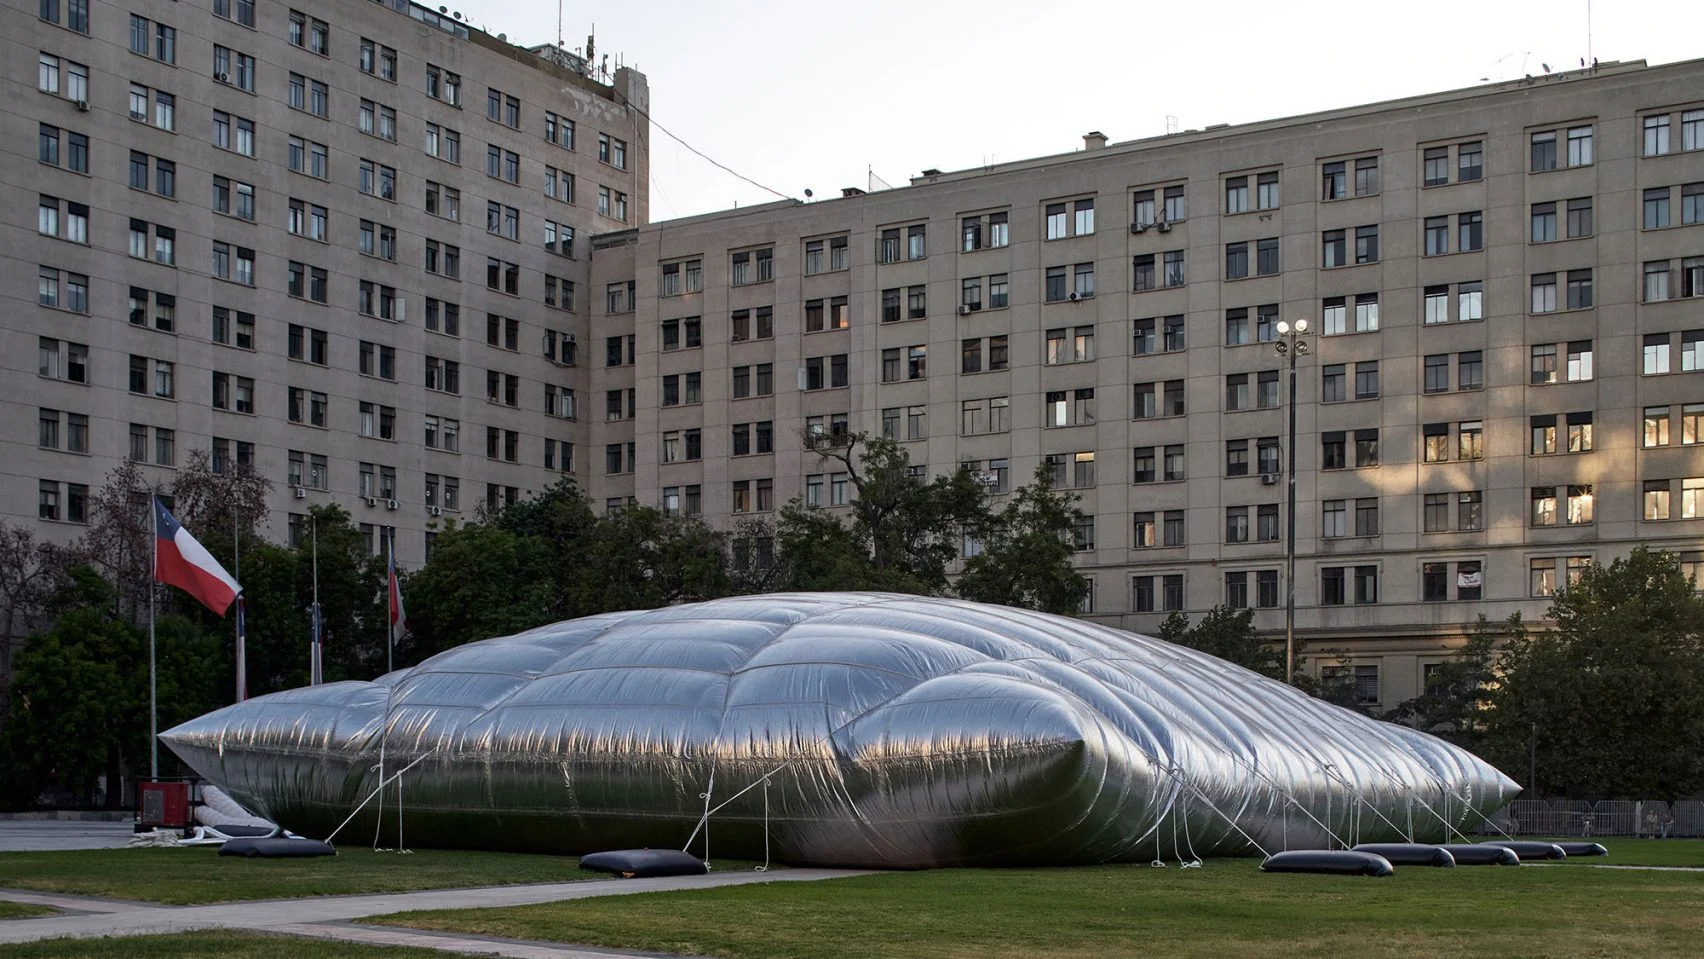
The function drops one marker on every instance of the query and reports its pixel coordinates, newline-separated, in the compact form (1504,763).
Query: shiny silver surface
(864,729)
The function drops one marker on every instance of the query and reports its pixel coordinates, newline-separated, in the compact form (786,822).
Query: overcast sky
(800,95)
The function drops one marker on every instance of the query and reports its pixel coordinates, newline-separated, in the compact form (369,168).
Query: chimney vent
(1094,140)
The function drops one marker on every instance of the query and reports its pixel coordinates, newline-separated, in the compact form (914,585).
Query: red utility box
(163,805)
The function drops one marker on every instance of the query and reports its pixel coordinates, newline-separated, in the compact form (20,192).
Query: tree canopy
(1610,702)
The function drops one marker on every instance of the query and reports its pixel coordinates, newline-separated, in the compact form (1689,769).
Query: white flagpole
(390,604)
(153,671)
(242,650)
(315,666)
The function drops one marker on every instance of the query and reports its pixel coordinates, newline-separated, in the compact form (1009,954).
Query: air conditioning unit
(567,337)
(369,501)
(301,493)
(223,78)
(1163,226)
(1270,479)
(1074,296)
(964,309)
(391,504)
(83,106)
(437,511)
(1138,228)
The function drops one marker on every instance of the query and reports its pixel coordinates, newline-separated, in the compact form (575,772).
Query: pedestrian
(1667,823)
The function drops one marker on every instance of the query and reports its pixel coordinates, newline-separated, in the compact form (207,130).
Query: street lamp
(1291,344)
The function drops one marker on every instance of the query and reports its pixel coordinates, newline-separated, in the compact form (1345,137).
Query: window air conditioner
(301,493)
(964,309)
(1163,226)
(1138,228)
(223,78)
(391,504)
(437,511)
(1074,296)
(83,106)
(1270,479)
(369,500)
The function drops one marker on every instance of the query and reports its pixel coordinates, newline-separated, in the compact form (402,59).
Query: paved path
(41,835)
(326,917)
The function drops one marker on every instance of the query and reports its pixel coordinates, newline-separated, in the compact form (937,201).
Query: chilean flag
(398,620)
(182,562)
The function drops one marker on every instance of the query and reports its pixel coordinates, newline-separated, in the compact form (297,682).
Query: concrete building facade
(347,242)
(402,265)
(1506,377)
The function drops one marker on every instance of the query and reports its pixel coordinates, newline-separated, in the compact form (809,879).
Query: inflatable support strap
(640,863)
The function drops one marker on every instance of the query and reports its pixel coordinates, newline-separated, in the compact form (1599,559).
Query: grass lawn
(199,874)
(210,945)
(1647,852)
(1227,909)
(23,910)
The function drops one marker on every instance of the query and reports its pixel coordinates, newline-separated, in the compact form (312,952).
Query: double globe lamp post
(1291,344)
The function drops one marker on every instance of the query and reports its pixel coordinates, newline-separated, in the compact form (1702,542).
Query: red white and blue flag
(398,619)
(182,562)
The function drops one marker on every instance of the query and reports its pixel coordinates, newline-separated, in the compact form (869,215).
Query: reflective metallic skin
(849,729)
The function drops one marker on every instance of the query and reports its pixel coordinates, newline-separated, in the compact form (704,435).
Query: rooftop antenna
(559,24)
(1171,124)
(1589,36)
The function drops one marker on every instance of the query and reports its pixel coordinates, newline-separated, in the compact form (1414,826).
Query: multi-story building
(1505,287)
(258,234)
(346,242)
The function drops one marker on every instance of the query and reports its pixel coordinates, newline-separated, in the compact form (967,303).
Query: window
(1236,260)
(1436,232)
(1692,199)
(1172,265)
(1580,217)
(1579,289)
(1543,222)
(1334,180)
(1436,378)
(1334,515)
(1334,248)
(1366,448)
(233,133)
(1175,211)
(1470,370)
(1579,146)
(1333,380)
(1471,440)
(1435,163)
(1656,135)
(1366,176)
(1543,151)
(1237,395)
(1367,244)
(1544,293)
(237,68)
(1236,525)
(380,61)
(1656,353)
(1367,380)
(62,360)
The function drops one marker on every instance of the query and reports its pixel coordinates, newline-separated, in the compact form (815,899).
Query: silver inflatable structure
(848,729)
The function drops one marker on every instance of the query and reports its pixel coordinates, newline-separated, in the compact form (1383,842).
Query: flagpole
(390,603)
(242,650)
(315,668)
(153,671)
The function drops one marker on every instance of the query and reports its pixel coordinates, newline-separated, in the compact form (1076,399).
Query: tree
(1026,558)
(31,572)
(1458,690)
(549,558)
(1611,701)
(1228,634)
(79,698)
(903,534)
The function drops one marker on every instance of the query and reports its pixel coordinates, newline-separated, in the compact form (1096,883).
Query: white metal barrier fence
(1647,818)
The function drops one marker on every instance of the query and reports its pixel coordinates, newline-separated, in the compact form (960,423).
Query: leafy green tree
(482,581)
(1458,690)
(551,557)
(79,697)
(1026,558)
(1611,701)
(1228,634)
(904,532)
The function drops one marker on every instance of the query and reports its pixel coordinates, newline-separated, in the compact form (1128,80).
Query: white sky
(800,94)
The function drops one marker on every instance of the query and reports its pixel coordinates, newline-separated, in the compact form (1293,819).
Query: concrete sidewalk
(320,916)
